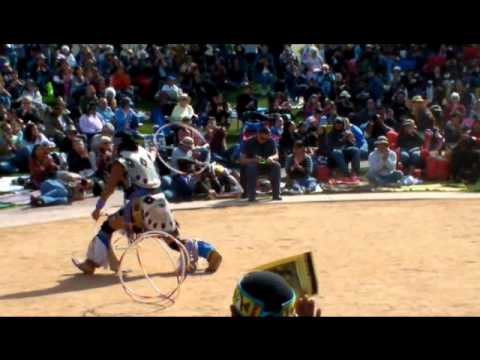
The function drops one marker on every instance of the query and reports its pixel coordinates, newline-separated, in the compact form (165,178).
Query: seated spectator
(289,136)
(107,131)
(125,116)
(269,295)
(121,81)
(15,86)
(399,106)
(422,115)
(376,127)
(10,145)
(344,104)
(382,164)
(171,89)
(105,111)
(182,151)
(299,168)
(57,122)
(33,93)
(219,109)
(312,106)
(455,106)
(454,129)
(28,112)
(90,123)
(259,156)
(216,136)
(57,192)
(41,165)
(32,136)
(360,139)
(277,128)
(90,97)
(78,159)
(279,104)
(182,109)
(5,96)
(465,164)
(390,121)
(245,101)
(363,117)
(410,141)
(229,186)
(342,149)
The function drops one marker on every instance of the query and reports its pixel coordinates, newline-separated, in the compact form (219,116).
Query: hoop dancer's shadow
(79,282)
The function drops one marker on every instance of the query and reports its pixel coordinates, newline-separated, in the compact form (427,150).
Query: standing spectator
(342,149)
(410,142)
(382,164)
(182,109)
(259,155)
(299,168)
(90,123)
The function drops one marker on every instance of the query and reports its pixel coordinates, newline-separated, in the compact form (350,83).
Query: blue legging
(410,157)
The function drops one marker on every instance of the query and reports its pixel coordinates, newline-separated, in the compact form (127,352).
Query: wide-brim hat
(381,140)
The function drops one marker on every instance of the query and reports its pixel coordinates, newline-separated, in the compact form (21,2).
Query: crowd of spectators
(405,108)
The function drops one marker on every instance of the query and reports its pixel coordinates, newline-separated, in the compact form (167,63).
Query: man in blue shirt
(105,111)
(125,116)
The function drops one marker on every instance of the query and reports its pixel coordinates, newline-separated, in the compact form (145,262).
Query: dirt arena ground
(409,258)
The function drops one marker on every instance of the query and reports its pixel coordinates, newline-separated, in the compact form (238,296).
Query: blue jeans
(307,184)
(252,172)
(384,180)
(54,193)
(410,157)
(342,156)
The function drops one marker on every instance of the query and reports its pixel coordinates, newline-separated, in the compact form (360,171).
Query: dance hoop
(160,146)
(180,272)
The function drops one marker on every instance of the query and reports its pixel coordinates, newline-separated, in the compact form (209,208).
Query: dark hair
(34,151)
(127,142)
(299,144)
(28,132)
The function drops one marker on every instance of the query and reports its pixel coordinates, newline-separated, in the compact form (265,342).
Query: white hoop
(159,133)
(180,272)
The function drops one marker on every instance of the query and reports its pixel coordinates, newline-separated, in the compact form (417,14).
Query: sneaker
(214,261)
(277,198)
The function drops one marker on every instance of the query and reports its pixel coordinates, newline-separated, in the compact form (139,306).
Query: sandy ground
(409,258)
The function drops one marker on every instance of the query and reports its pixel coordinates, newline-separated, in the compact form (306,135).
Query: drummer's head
(124,141)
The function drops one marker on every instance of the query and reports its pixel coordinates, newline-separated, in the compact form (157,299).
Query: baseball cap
(171,78)
(418,98)
(381,140)
(339,120)
(408,122)
(345,94)
(397,68)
